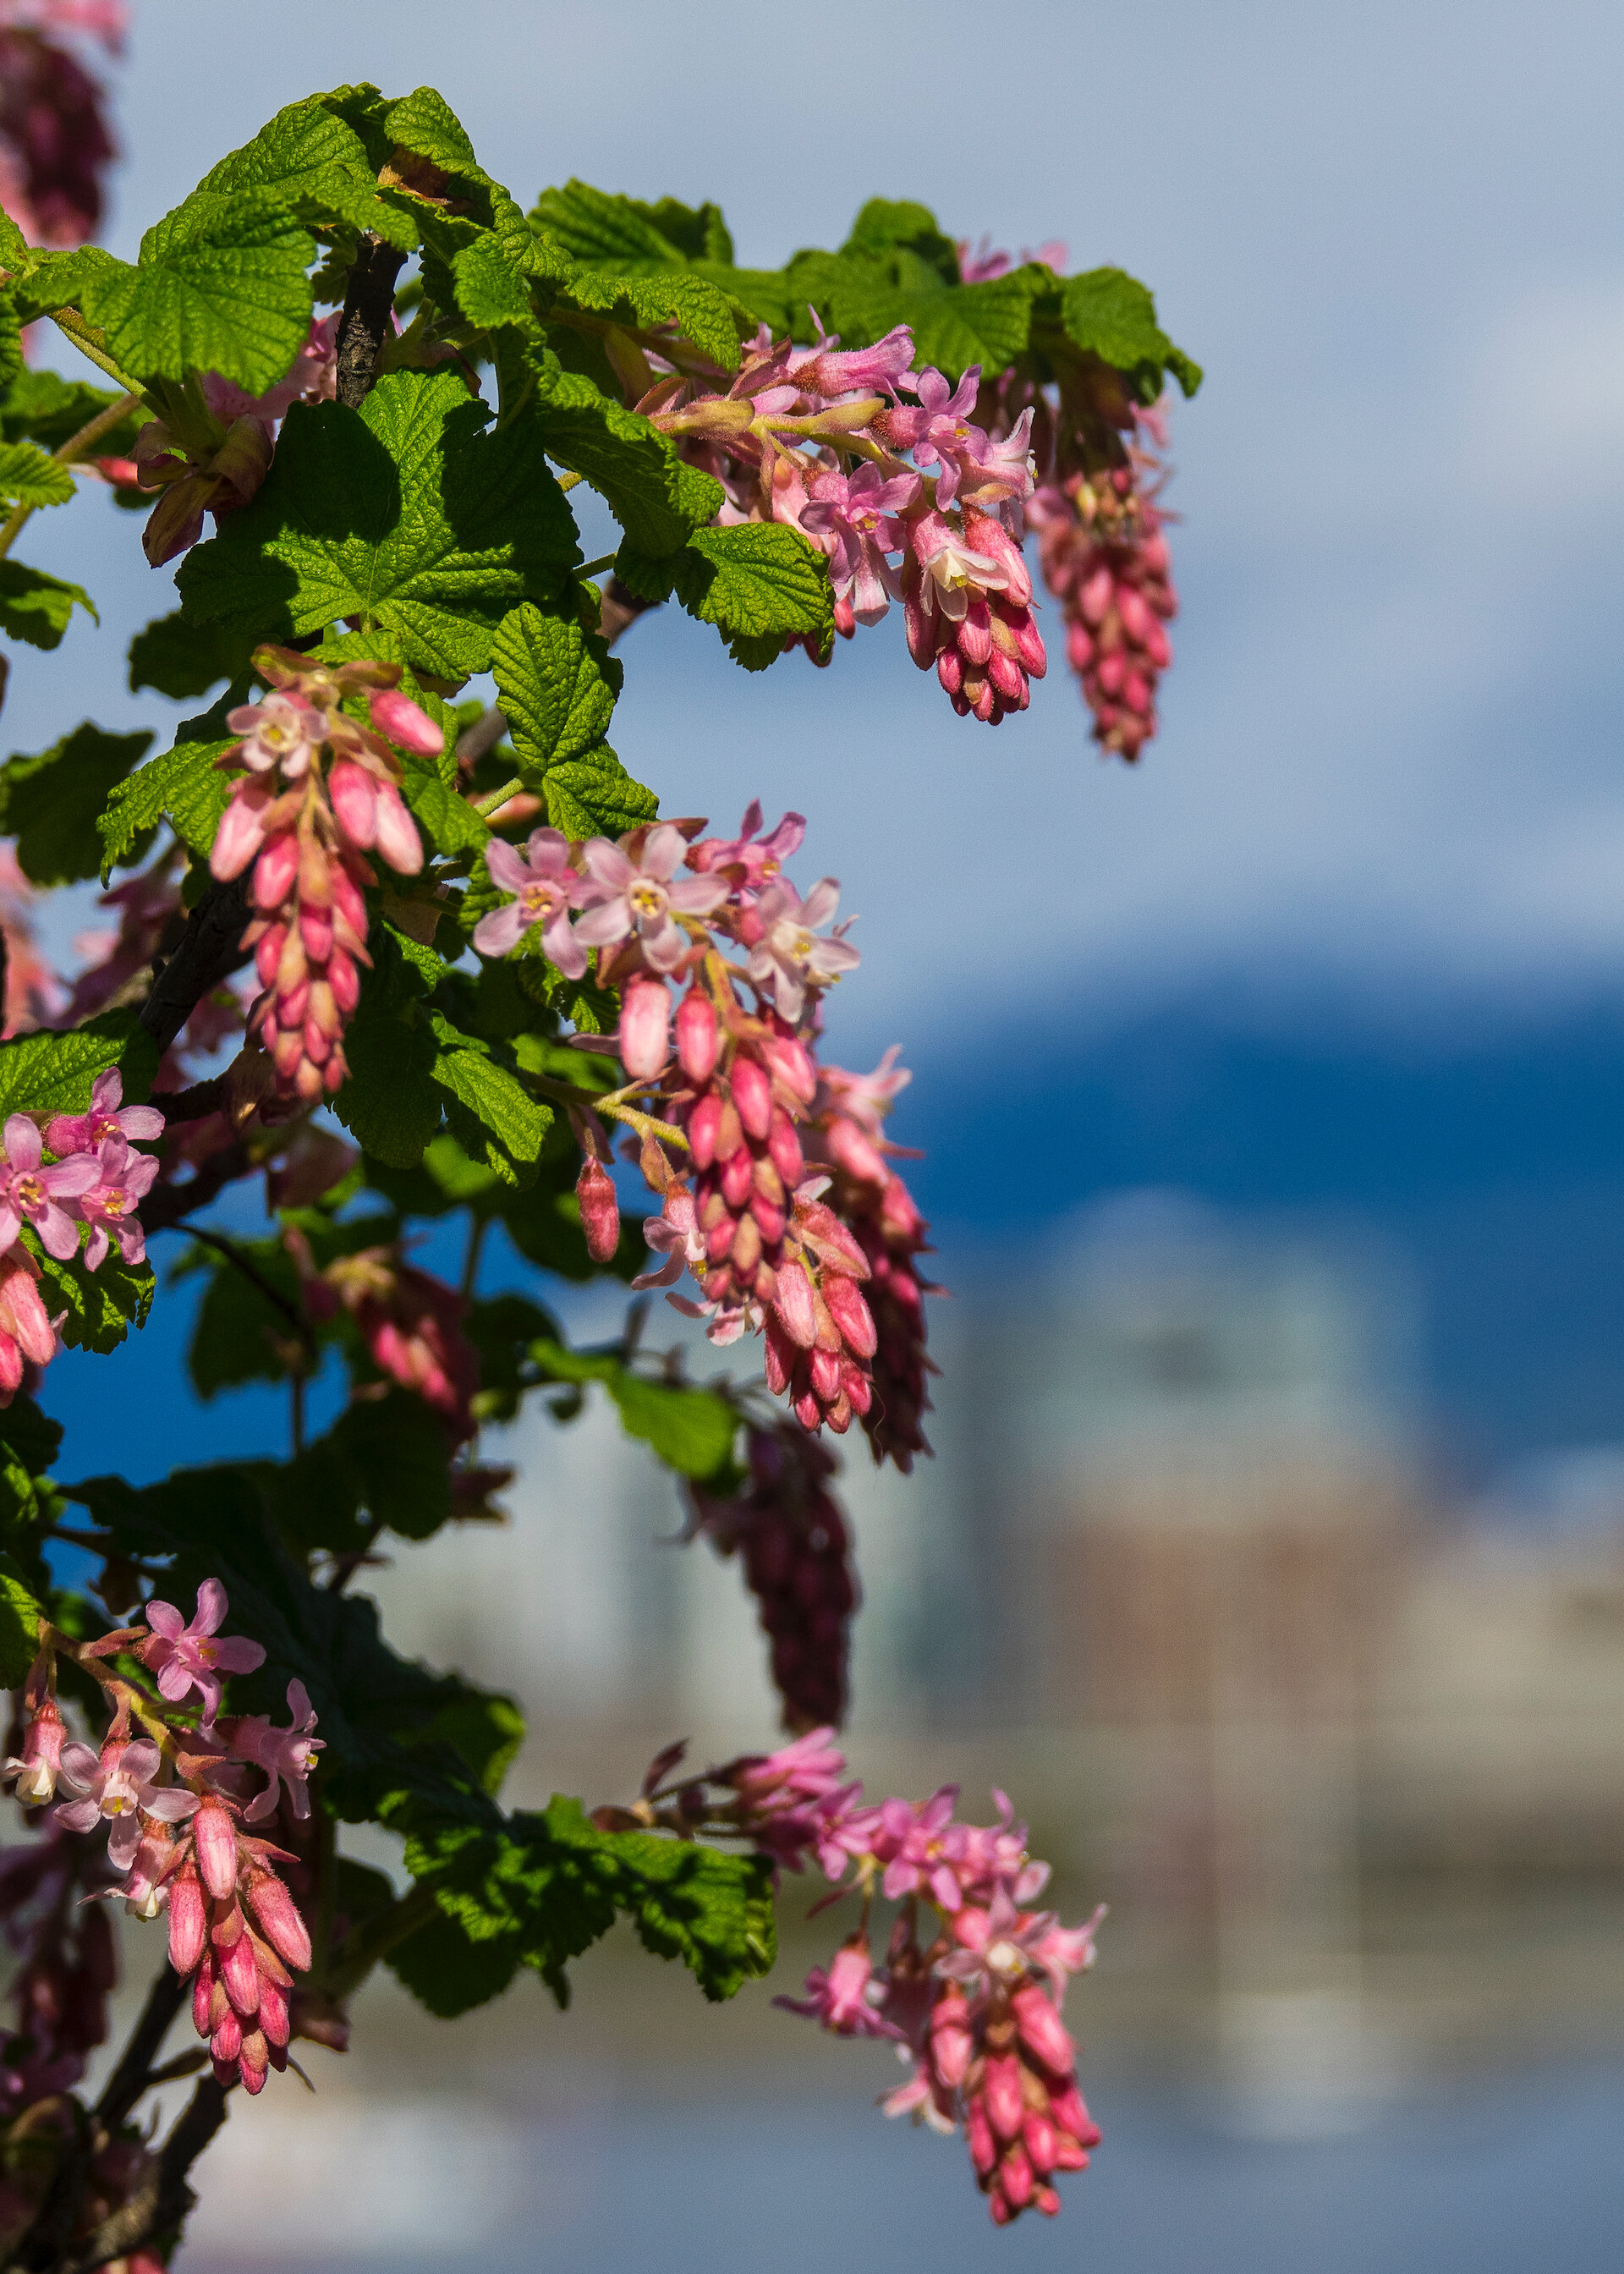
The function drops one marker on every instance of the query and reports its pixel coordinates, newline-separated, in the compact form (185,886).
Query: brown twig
(163,2200)
(210,949)
(133,2074)
(366,322)
(167,1205)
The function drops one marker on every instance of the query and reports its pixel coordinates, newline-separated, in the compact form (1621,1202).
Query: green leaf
(29,477)
(448,1972)
(391,1104)
(448,822)
(759,584)
(184,785)
(52,803)
(885,227)
(690,1430)
(557,686)
(496,1098)
(1112,316)
(47,409)
(220,286)
(397,1453)
(310,159)
(403,514)
(14,250)
(601,230)
(101,1304)
(55,279)
(181,659)
(20,1612)
(36,606)
(53,1073)
(657,497)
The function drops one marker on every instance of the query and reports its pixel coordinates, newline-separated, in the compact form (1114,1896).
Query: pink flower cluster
(888,473)
(772,1254)
(319,793)
(55,141)
(176,1813)
(410,1322)
(790,1537)
(972,2002)
(95,1180)
(220,472)
(1105,558)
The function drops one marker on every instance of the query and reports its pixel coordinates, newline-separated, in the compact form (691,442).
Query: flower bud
(41,1754)
(1042,2028)
(600,1213)
(278,1914)
(405,723)
(645,1019)
(698,1036)
(1000,2090)
(215,1838)
(753,1097)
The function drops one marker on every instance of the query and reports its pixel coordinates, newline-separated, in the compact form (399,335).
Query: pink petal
(563,949)
(123,1841)
(607,864)
(498,933)
(164,1620)
(610,921)
(22,1141)
(81,1764)
(171,1805)
(142,1121)
(213,1604)
(663,851)
(821,902)
(77,1815)
(175,1680)
(239,1655)
(507,869)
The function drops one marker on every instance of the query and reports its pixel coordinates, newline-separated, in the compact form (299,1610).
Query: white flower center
(1003,1957)
(648,901)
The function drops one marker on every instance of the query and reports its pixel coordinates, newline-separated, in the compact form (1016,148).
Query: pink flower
(911,1846)
(120,1181)
(285,1755)
(789,957)
(859,371)
(869,1098)
(186,1658)
(32,1194)
(845,1997)
(108,1116)
(854,518)
(117,1784)
(626,898)
(546,887)
(282,731)
(805,1773)
(750,859)
(42,1756)
(939,433)
(675,1234)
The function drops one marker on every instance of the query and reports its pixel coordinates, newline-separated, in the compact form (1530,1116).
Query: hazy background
(1334,977)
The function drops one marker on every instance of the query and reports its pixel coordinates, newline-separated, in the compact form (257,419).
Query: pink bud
(202,1989)
(278,1914)
(1001,2090)
(784,1147)
(698,1039)
(1096,597)
(240,1975)
(703,1122)
(1038,2134)
(239,836)
(645,1019)
(600,1215)
(405,724)
(397,832)
(753,1095)
(794,1304)
(188,1928)
(1015,2172)
(354,793)
(978,2133)
(274,2016)
(227,2041)
(42,1753)
(275,870)
(738,1179)
(254,2058)
(216,1841)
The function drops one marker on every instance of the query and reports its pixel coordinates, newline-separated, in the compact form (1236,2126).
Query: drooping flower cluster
(319,793)
(908,499)
(95,1180)
(55,141)
(1105,558)
(972,2001)
(790,1537)
(177,1804)
(772,1255)
(410,1322)
(220,462)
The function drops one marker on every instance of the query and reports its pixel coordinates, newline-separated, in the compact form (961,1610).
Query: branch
(368,317)
(255,1277)
(133,2074)
(210,949)
(165,1205)
(163,2201)
(619,609)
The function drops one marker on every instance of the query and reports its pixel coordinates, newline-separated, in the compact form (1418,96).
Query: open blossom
(32,1194)
(749,860)
(282,731)
(108,1115)
(789,957)
(844,1998)
(855,518)
(108,1205)
(36,1768)
(187,1657)
(287,1756)
(630,894)
(117,1784)
(545,889)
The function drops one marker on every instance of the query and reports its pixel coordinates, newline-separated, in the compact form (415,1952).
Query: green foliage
(314,164)
(181,659)
(184,786)
(690,1430)
(220,286)
(100,1306)
(53,1073)
(29,477)
(1112,316)
(759,584)
(36,606)
(657,497)
(43,407)
(20,1612)
(52,803)
(545,1885)
(557,686)
(404,514)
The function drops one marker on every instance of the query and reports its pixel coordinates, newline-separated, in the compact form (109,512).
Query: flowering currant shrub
(402,947)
